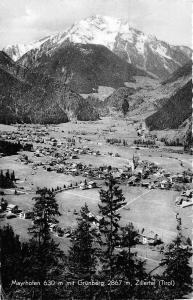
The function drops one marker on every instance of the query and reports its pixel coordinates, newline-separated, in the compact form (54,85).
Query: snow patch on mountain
(162,51)
(18,50)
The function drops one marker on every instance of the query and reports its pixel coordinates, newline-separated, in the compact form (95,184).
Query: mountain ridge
(174,112)
(30,97)
(84,67)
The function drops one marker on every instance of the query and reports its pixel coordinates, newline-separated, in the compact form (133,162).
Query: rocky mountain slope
(136,47)
(176,107)
(150,96)
(175,110)
(82,67)
(119,99)
(30,97)
(182,72)
(188,137)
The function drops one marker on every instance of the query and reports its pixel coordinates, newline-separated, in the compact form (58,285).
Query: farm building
(145,183)
(83,186)
(12,208)
(26,215)
(92,184)
(164,184)
(148,237)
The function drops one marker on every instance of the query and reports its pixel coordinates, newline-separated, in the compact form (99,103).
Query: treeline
(11,148)
(116,141)
(188,139)
(171,142)
(101,262)
(144,142)
(7,180)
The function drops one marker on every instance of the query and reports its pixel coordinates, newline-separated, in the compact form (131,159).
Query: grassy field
(149,209)
(153,209)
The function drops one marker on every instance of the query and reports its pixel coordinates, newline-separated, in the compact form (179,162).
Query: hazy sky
(28,20)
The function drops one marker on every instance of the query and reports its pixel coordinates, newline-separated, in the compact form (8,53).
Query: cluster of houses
(72,168)
(64,150)
(26,134)
(136,172)
(82,185)
(148,174)
(13,211)
(185,199)
(67,232)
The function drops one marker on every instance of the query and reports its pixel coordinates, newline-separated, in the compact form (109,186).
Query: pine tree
(13,176)
(82,258)
(46,259)
(7,175)
(129,268)
(2,180)
(5,180)
(14,256)
(11,267)
(112,200)
(45,210)
(129,271)
(130,236)
(176,260)
(4,204)
(125,106)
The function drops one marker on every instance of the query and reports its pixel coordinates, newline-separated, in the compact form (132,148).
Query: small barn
(12,208)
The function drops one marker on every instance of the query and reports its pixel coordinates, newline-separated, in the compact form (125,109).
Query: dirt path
(133,200)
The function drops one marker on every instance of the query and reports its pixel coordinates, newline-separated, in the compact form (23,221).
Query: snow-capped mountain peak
(136,47)
(96,30)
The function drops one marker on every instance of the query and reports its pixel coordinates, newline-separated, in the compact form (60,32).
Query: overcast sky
(28,20)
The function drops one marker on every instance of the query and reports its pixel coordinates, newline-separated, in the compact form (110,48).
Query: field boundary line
(133,200)
(157,261)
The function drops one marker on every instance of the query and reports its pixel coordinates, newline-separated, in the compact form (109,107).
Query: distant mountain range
(144,51)
(31,97)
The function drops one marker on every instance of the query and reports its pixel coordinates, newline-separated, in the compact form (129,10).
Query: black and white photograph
(96,147)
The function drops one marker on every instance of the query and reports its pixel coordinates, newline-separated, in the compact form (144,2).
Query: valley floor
(151,209)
